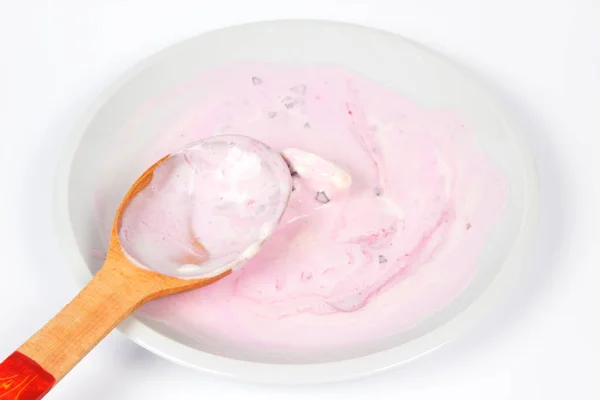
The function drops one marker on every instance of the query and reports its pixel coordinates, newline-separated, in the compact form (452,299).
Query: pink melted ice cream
(390,208)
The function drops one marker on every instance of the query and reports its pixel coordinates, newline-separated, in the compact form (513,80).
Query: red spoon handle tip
(21,378)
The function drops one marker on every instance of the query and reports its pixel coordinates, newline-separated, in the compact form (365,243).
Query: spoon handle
(44,359)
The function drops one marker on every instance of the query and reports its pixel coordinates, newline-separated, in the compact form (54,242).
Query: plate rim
(335,371)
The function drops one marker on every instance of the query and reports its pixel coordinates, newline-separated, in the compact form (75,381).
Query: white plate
(103,141)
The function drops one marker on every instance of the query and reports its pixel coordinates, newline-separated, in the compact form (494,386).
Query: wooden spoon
(119,288)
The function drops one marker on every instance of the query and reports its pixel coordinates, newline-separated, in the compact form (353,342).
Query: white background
(543,57)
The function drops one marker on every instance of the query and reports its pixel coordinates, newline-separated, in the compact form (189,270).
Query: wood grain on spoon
(119,288)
